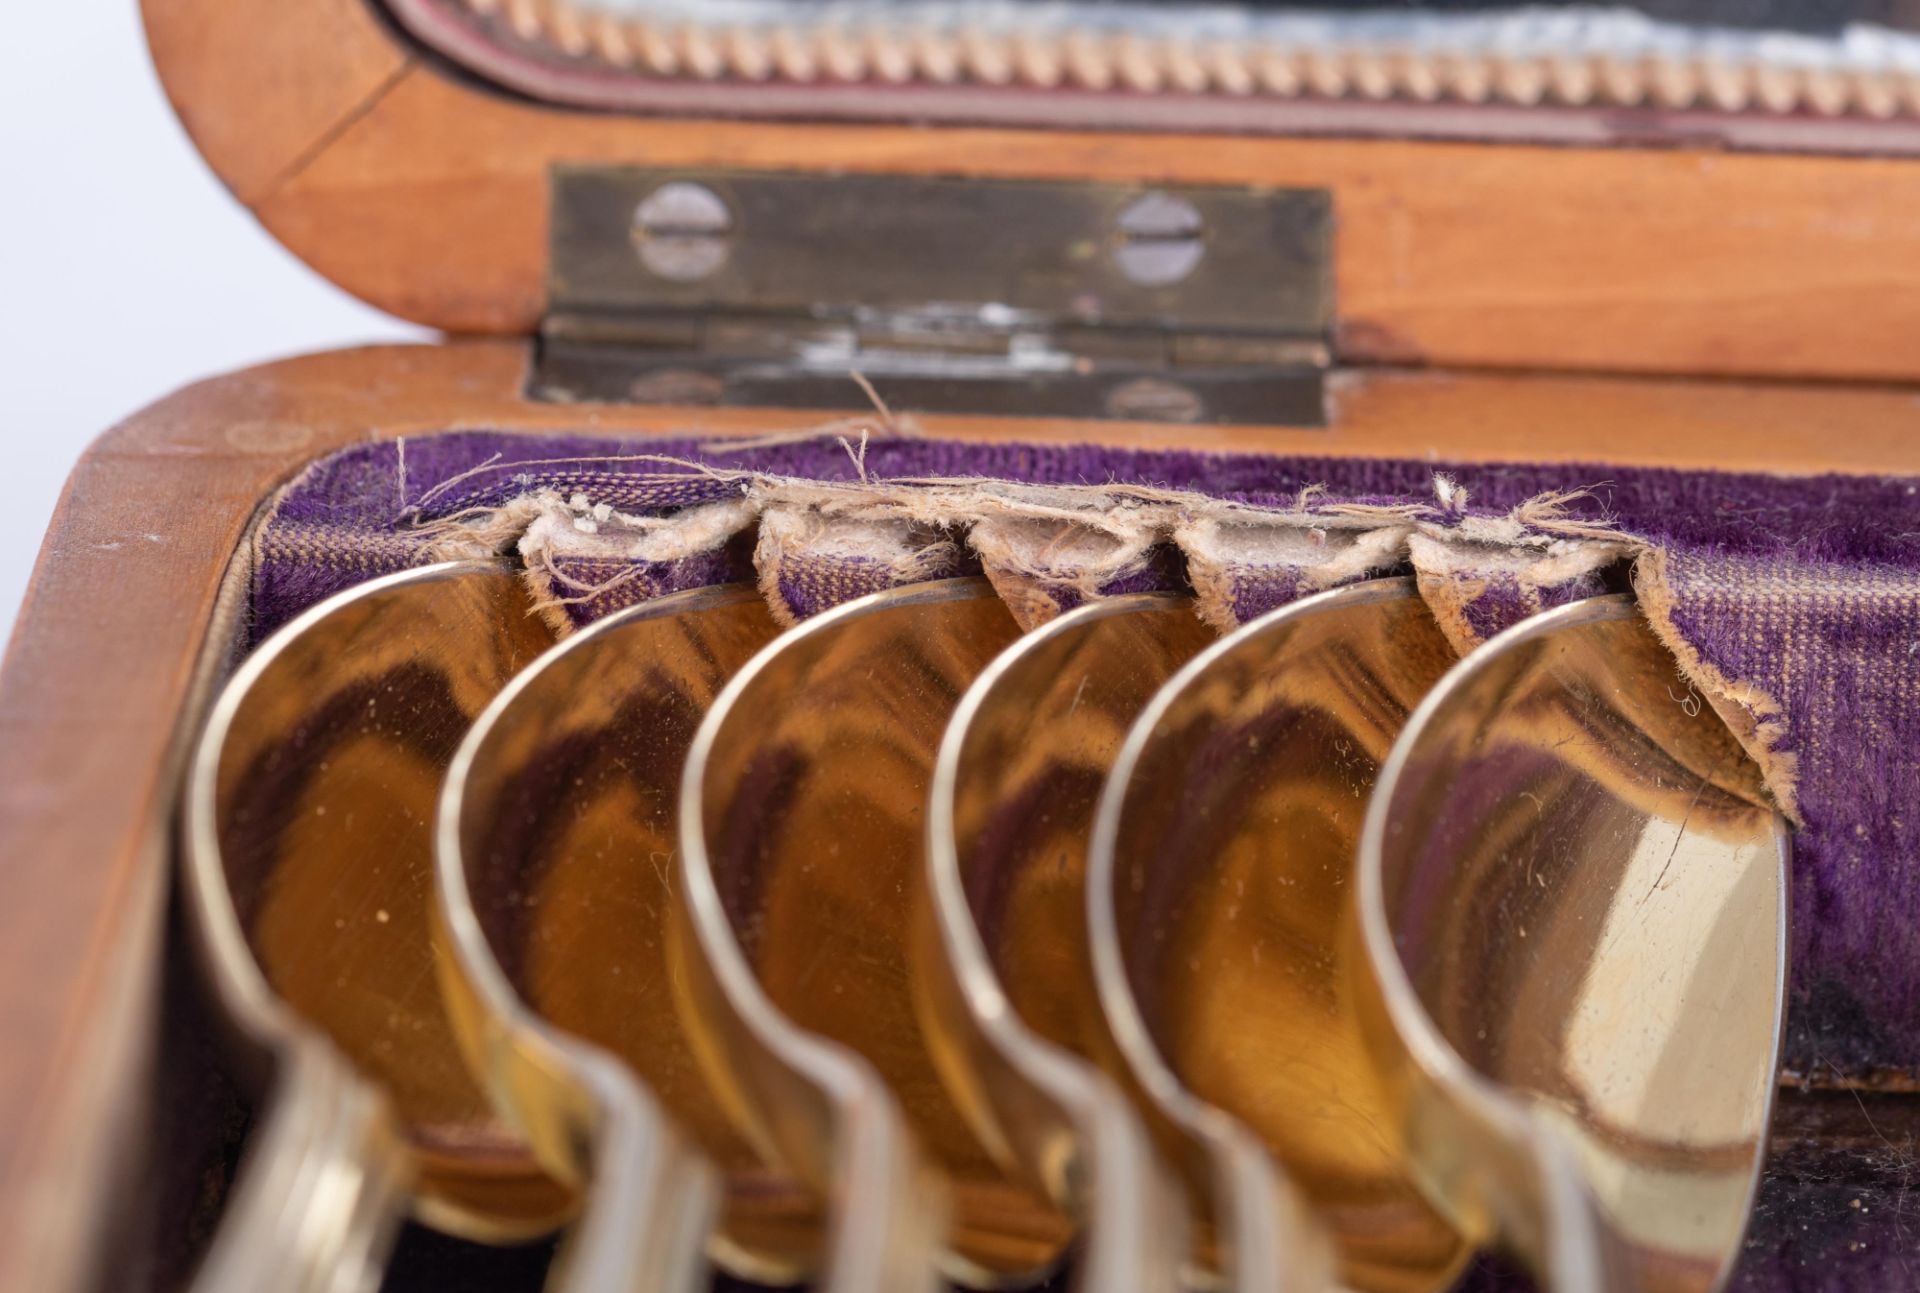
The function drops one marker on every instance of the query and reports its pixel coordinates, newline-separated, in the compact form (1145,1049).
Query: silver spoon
(1007,979)
(803,827)
(310,878)
(558,829)
(1219,877)
(1573,904)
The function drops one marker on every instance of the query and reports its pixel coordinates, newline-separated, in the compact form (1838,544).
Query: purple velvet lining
(365,489)
(1254,592)
(1832,658)
(1504,602)
(628,584)
(809,584)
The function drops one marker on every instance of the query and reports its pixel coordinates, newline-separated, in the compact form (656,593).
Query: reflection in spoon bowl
(310,867)
(1573,896)
(1019,773)
(1220,877)
(803,826)
(559,833)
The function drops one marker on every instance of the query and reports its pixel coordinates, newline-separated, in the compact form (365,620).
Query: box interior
(1791,603)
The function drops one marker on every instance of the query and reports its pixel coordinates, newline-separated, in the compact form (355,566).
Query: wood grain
(260,97)
(427,196)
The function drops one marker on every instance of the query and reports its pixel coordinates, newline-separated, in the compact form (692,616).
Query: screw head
(1159,239)
(683,231)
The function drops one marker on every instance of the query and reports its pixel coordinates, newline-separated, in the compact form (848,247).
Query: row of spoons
(900,948)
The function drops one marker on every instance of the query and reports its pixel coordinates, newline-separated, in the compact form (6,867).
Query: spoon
(1008,983)
(1219,872)
(803,828)
(556,845)
(1573,904)
(310,876)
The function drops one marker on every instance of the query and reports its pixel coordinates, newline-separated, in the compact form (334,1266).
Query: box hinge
(1173,303)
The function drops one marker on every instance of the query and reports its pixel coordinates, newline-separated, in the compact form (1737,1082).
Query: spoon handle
(323,1190)
(1581,1251)
(644,1223)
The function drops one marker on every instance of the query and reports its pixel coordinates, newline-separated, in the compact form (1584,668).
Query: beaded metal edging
(1867,73)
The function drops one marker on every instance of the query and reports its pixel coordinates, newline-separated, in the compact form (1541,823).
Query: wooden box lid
(1711,202)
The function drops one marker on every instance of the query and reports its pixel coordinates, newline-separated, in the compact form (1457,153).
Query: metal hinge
(1045,299)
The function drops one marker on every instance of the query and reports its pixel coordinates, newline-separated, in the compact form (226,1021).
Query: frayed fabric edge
(1456,570)
(552,532)
(1228,556)
(1042,568)
(807,562)
(916,528)
(1756,719)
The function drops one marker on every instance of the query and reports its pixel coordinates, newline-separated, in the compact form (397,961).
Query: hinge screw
(683,231)
(1159,239)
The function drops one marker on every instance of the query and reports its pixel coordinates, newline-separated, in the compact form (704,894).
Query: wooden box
(1628,257)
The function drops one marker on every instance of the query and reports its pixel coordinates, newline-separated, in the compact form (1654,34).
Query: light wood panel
(427,196)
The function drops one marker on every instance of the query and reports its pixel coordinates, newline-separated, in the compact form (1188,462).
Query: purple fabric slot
(811,563)
(1504,602)
(1796,601)
(1827,656)
(591,588)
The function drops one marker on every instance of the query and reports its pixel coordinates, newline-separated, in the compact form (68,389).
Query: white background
(127,270)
